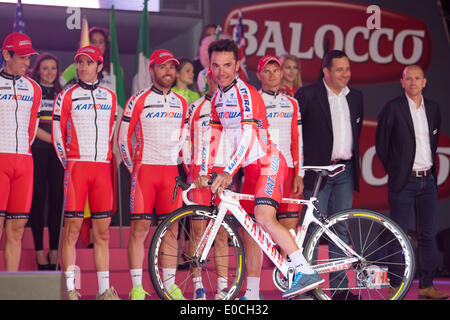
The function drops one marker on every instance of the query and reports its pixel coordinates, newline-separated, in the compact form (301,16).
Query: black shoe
(345,295)
(42,267)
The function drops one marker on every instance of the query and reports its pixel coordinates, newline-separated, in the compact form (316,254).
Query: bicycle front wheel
(384,269)
(175,268)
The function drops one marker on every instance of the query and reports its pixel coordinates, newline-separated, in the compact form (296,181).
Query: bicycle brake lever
(175,191)
(179,183)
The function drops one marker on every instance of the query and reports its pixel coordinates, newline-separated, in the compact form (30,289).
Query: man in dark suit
(406,142)
(332,116)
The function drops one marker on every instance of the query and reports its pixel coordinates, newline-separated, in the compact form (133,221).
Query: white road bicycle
(376,262)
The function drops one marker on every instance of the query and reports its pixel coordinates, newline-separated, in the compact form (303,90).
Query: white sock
(222,284)
(168,277)
(136,277)
(70,280)
(103,281)
(300,263)
(252,292)
(197,283)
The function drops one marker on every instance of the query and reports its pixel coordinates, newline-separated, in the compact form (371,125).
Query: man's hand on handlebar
(222,181)
(201,182)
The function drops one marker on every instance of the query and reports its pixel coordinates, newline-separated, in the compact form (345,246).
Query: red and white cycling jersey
(200,134)
(239,111)
(285,127)
(83,123)
(20,101)
(157,121)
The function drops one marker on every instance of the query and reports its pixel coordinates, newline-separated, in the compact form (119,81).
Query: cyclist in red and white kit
(20,100)
(199,134)
(285,128)
(284,120)
(82,130)
(239,108)
(156,117)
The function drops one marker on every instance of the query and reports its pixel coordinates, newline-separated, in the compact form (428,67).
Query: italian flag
(142,77)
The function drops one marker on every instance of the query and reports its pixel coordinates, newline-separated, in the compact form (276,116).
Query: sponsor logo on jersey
(91,106)
(229,114)
(245,99)
(164,115)
(273,115)
(18,97)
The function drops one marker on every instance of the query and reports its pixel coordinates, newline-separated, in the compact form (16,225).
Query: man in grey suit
(406,142)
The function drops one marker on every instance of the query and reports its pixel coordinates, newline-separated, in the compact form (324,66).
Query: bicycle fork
(209,235)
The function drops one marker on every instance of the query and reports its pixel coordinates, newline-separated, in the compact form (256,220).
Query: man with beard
(20,100)
(156,117)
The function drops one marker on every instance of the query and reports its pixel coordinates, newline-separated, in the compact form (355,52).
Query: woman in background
(48,171)
(292,79)
(184,79)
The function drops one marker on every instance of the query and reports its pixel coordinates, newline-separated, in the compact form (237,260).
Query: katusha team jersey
(157,121)
(20,101)
(285,127)
(200,134)
(239,110)
(83,123)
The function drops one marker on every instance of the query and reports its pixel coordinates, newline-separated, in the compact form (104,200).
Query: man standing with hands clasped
(406,142)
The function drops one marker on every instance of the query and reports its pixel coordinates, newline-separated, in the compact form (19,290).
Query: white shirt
(422,159)
(341,124)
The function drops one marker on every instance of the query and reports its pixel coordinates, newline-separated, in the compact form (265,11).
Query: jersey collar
(271,93)
(8,76)
(88,86)
(156,90)
(228,87)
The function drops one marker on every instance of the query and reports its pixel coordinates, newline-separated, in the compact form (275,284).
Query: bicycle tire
(184,278)
(378,240)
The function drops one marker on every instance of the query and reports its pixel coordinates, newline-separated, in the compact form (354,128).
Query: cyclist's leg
(253,253)
(101,205)
(268,195)
(18,209)
(142,198)
(75,193)
(163,206)
(288,213)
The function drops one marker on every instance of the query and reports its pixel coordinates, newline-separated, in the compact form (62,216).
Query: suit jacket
(318,131)
(395,139)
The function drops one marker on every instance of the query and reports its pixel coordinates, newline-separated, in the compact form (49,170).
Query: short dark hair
(182,62)
(11,54)
(327,60)
(223,45)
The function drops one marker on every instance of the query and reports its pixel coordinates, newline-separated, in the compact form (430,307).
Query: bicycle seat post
(318,182)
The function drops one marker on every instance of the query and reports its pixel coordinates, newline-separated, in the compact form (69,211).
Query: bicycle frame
(230,202)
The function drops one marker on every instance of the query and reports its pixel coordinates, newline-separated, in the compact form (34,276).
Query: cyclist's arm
(125,133)
(35,112)
(210,142)
(247,139)
(61,109)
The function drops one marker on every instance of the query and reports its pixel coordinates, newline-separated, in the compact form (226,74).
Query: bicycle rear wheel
(386,268)
(178,237)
